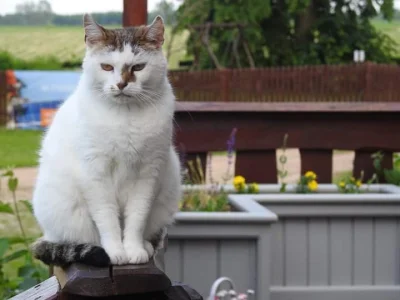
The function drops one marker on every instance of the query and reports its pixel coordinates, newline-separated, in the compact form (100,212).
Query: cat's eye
(138,67)
(107,67)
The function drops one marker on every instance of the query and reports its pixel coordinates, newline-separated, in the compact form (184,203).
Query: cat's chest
(118,142)
(125,143)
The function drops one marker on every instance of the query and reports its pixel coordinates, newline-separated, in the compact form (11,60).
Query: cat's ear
(155,32)
(94,33)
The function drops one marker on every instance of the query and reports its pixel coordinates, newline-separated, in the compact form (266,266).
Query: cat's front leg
(137,210)
(104,210)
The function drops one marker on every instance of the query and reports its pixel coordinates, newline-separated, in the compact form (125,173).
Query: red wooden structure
(368,82)
(314,128)
(135,13)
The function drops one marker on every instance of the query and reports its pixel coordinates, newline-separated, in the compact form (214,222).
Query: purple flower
(231,149)
(209,167)
(231,145)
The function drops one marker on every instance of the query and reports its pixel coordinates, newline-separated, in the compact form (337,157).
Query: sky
(90,6)
(77,6)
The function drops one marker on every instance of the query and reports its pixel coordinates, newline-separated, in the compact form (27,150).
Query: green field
(65,43)
(19,148)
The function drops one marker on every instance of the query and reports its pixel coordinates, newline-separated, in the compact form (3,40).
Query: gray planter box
(329,246)
(205,246)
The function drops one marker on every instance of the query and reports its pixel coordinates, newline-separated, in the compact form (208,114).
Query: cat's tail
(62,255)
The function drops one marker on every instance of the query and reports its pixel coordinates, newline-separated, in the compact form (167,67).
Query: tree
(33,13)
(166,10)
(289,32)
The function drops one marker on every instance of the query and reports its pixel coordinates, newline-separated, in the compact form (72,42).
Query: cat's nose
(122,85)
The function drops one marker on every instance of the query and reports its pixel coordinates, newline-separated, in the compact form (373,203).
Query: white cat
(109,177)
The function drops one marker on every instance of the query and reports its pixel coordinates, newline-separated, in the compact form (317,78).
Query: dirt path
(341,162)
(26,180)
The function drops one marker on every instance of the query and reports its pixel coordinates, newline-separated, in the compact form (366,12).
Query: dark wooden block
(117,280)
(318,161)
(257,166)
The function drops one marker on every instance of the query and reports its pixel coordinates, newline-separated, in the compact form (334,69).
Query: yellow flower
(358,183)
(311,175)
(312,185)
(352,179)
(254,188)
(342,184)
(239,182)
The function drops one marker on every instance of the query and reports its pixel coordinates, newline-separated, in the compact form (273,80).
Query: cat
(109,177)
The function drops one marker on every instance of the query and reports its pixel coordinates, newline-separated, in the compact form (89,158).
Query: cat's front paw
(137,254)
(117,255)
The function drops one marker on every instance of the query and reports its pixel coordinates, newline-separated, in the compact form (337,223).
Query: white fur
(109,174)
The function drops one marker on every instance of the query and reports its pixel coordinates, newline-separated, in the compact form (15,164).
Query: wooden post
(3,98)
(135,13)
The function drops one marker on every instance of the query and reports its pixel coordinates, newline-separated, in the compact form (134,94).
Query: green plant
(307,183)
(213,199)
(17,247)
(282,172)
(350,184)
(391,175)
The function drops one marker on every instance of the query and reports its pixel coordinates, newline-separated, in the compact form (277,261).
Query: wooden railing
(366,82)
(315,128)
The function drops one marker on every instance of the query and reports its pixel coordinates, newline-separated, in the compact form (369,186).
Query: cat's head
(125,65)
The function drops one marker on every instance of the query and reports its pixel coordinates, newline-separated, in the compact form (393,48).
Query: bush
(9,62)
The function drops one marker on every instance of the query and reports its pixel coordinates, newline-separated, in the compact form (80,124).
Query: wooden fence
(328,83)
(314,128)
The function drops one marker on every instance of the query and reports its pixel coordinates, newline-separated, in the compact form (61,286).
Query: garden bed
(328,245)
(202,246)
(325,245)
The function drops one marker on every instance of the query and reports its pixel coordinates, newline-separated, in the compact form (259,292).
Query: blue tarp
(42,86)
(43,89)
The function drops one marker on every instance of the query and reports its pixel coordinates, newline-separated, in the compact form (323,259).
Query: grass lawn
(19,148)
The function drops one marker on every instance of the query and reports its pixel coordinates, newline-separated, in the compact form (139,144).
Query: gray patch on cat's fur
(143,37)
